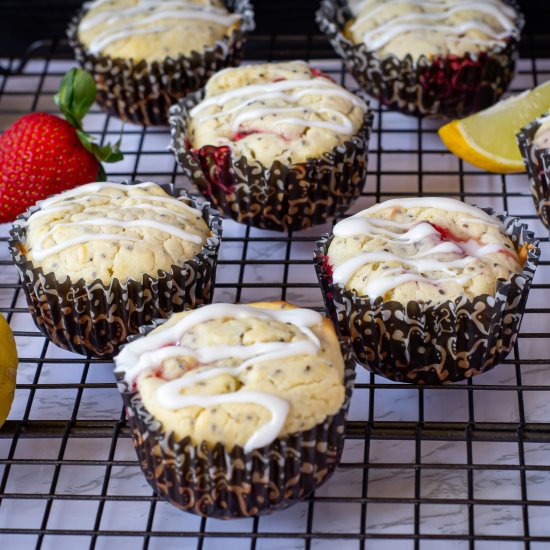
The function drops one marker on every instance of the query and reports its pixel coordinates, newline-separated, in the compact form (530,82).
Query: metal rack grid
(461,466)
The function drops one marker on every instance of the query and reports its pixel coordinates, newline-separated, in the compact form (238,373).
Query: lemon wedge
(488,139)
(8,368)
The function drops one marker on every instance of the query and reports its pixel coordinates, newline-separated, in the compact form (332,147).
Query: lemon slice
(488,139)
(8,368)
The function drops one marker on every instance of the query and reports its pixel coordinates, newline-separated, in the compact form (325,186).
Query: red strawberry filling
(448,235)
(326,265)
(245,133)
(215,163)
(317,72)
(240,135)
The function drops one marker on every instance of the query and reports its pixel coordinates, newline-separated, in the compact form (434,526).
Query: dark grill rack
(68,474)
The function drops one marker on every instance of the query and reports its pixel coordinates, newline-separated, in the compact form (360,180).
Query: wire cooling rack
(430,468)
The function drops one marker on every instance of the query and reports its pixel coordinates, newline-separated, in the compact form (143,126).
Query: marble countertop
(439,491)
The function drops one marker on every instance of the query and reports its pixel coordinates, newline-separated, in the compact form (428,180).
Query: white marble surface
(443,476)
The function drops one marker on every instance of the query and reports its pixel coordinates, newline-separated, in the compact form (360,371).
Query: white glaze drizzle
(292,97)
(379,286)
(144,206)
(374,227)
(128,359)
(254,89)
(148,353)
(65,201)
(116,26)
(158,209)
(109,16)
(344,271)
(409,233)
(88,188)
(40,253)
(452,205)
(296,89)
(411,21)
(266,433)
(346,127)
(370,37)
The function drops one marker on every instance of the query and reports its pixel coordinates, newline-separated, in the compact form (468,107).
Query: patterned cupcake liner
(96,319)
(427,343)
(537,163)
(217,483)
(278,197)
(453,86)
(142,92)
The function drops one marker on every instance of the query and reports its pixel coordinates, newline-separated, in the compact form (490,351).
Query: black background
(23,22)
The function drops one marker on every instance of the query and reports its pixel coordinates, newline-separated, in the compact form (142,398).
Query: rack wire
(451,467)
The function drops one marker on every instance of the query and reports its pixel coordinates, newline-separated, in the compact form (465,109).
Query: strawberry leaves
(76,95)
(103,153)
(77,92)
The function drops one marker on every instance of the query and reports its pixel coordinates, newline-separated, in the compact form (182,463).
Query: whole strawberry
(42,154)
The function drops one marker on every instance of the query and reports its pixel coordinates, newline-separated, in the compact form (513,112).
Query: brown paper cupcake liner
(141,92)
(427,343)
(278,197)
(217,483)
(96,319)
(453,86)
(537,163)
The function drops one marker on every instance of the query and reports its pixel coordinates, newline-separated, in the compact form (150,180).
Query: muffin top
(434,28)
(112,231)
(238,374)
(541,139)
(421,249)
(275,111)
(153,30)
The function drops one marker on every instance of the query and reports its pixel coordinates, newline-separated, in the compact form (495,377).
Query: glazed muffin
(431,29)
(112,231)
(433,57)
(251,398)
(146,55)
(100,260)
(534,144)
(277,146)
(429,289)
(152,31)
(275,112)
(541,139)
(422,250)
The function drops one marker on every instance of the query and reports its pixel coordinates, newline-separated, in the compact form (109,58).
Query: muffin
(440,57)
(99,261)
(430,290)
(237,410)
(275,146)
(534,144)
(145,56)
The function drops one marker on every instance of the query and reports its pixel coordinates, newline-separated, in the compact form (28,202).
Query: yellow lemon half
(8,368)
(488,139)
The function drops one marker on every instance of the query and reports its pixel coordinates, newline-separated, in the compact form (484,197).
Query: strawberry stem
(76,94)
